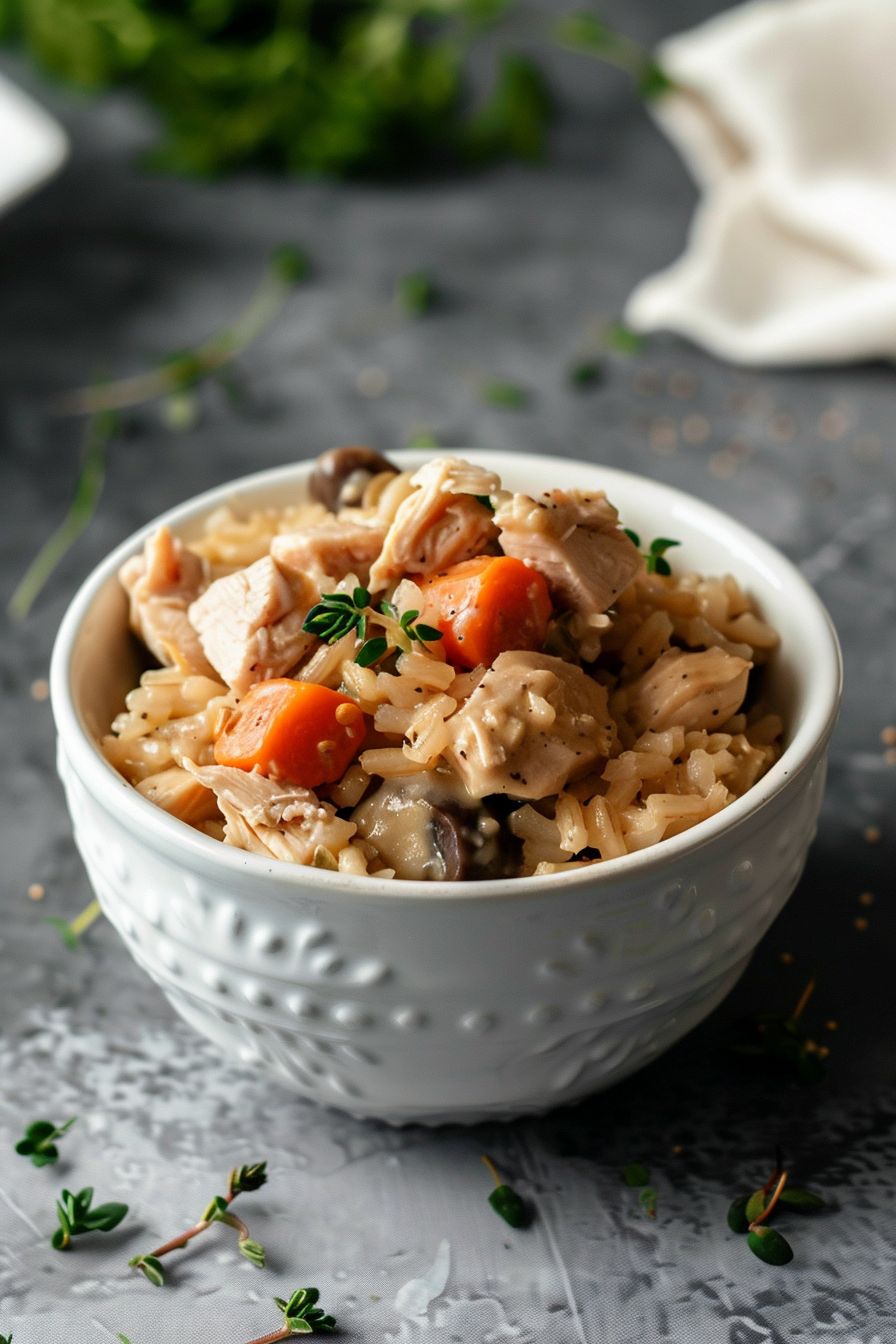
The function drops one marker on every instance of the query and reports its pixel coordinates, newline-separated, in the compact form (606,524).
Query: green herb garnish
(654,558)
(338,614)
(636,1175)
(416,293)
(5,1339)
(39,1142)
(510,396)
(780,1041)
(301,1316)
(350,89)
(505,1201)
(71,931)
(182,370)
(76,1217)
(622,339)
(749,1214)
(422,437)
(240,1181)
(586,373)
(588,33)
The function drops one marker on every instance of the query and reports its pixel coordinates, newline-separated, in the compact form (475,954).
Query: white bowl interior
(802,682)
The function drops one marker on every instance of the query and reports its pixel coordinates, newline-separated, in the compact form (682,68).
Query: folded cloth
(32,144)
(785,113)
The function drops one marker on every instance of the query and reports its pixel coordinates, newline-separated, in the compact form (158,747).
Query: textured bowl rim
(205,853)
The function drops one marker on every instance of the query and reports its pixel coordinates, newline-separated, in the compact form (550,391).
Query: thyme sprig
(781,1041)
(301,1316)
(506,1202)
(287,267)
(76,1217)
(240,1181)
(654,556)
(39,1142)
(99,432)
(338,614)
(586,32)
(750,1214)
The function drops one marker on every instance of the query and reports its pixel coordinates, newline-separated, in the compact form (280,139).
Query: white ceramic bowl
(439,1001)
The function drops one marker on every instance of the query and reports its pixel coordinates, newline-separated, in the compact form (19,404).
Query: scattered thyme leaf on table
(421,437)
(76,1216)
(586,373)
(780,1041)
(506,1201)
(39,1142)
(622,339)
(240,1181)
(637,1176)
(72,931)
(749,1214)
(417,293)
(301,1316)
(509,396)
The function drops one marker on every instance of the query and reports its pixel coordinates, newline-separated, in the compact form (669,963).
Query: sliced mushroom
(341,476)
(427,829)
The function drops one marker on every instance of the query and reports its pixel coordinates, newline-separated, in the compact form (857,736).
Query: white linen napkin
(785,114)
(32,144)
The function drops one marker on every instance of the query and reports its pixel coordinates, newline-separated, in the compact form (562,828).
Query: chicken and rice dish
(421,674)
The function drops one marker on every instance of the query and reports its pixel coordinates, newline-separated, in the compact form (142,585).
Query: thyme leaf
(417,293)
(71,931)
(338,614)
(654,557)
(76,1215)
(506,1202)
(301,1316)
(39,1143)
(509,396)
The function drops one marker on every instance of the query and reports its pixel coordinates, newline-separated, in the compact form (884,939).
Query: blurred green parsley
(326,87)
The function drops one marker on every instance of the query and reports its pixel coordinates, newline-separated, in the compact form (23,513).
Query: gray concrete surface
(108,268)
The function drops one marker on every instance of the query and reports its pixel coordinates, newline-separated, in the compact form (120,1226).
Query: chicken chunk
(177,792)
(532,723)
(693,690)
(161,583)
(329,550)
(440,523)
(250,623)
(280,820)
(574,540)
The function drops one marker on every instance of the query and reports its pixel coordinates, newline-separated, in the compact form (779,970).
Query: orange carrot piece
(487,606)
(293,730)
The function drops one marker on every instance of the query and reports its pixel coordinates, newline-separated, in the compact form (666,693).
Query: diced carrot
(487,606)
(293,730)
